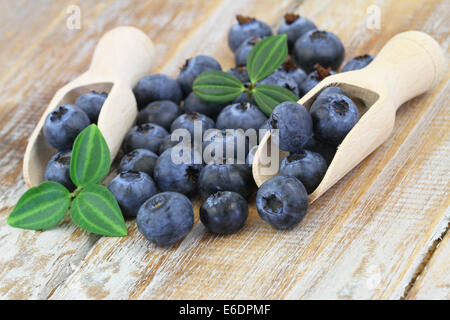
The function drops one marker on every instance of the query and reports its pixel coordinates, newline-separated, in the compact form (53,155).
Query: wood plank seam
(427,257)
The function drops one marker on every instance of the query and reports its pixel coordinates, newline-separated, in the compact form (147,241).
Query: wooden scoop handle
(409,64)
(125,52)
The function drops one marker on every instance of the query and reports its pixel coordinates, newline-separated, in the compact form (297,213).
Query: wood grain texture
(367,237)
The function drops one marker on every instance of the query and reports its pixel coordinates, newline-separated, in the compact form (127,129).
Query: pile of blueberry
(155,189)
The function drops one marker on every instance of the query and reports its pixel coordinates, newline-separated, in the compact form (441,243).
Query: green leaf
(266,56)
(96,210)
(41,207)
(267,97)
(217,86)
(90,157)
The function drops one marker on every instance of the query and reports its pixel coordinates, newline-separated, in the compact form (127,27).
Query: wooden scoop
(409,64)
(122,56)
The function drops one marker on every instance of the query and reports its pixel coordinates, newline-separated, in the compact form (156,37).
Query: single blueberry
(165,218)
(194,67)
(294,124)
(225,177)
(91,104)
(162,113)
(318,47)
(333,117)
(131,189)
(58,169)
(241,73)
(326,150)
(282,79)
(63,125)
(194,104)
(244,115)
(144,136)
(243,51)
(245,28)
(358,62)
(294,26)
(139,160)
(307,166)
(187,121)
(224,212)
(314,78)
(179,175)
(282,202)
(156,87)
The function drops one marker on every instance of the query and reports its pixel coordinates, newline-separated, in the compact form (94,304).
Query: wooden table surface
(380,233)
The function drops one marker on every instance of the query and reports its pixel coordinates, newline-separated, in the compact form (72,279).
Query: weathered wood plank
(34,21)
(434,282)
(32,264)
(364,239)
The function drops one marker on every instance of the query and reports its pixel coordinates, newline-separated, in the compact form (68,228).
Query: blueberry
(157,87)
(282,202)
(144,136)
(333,90)
(318,47)
(187,120)
(333,117)
(244,115)
(131,189)
(91,104)
(179,177)
(326,150)
(282,79)
(314,78)
(294,27)
(244,49)
(307,166)
(224,212)
(194,104)
(294,124)
(165,218)
(225,177)
(358,62)
(162,113)
(234,140)
(240,73)
(63,125)
(139,160)
(245,28)
(194,67)
(294,72)
(58,169)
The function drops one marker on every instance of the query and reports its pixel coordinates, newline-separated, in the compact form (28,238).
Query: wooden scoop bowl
(408,65)
(122,56)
